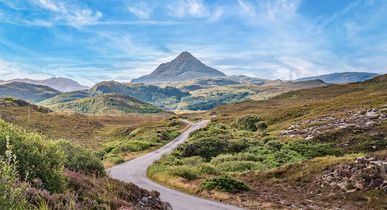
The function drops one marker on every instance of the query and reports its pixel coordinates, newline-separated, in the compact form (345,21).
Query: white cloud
(141,9)
(11,70)
(59,12)
(190,8)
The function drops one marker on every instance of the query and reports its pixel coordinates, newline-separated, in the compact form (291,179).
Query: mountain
(106,104)
(342,78)
(167,97)
(183,67)
(28,92)
(58,83)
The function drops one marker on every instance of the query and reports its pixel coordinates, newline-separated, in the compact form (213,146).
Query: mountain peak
(185,54)
(184,67)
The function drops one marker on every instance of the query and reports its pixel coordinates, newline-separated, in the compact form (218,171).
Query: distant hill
(28,92)
(106,104)
(342,78)
(183,67)
(167,97)
(58,83)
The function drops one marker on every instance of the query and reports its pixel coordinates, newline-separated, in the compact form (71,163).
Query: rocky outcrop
(361,119)
(364,174)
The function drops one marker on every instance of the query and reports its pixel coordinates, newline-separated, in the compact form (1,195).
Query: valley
(230,141)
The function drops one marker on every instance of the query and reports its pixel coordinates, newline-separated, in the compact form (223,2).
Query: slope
(342,78)
(28,92)
(318,148)
(106,104)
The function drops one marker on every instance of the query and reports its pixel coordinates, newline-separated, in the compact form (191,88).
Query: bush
(12,190)
(184,171)
(248,123)
(240,166)
(261,126)
(41,159)
(310,150)
(204,147)
(224,184)
(208,169)
(81,160)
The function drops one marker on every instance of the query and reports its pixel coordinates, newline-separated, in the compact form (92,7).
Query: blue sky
(95,40)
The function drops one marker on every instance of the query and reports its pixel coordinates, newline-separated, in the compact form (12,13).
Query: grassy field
(244,157)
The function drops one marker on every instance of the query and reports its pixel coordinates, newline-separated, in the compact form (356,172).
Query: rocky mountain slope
(343,78)
(58,83)
(29,92)
(183,67)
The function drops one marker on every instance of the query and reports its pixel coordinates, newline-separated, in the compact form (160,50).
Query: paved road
(135,171)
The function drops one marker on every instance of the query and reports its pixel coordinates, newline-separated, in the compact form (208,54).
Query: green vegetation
(127,144)
(41,160)
(106,104)
(245,141)
(12,189)
(38,173)
(81,160)
(225,184)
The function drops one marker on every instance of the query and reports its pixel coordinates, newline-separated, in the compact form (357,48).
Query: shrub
(41,159)
(12,190)
(208,169)
(184,171)
(204,147)
(225,184)
(261,126)
(239,166)
(81,160)
(248,122)
(311,150)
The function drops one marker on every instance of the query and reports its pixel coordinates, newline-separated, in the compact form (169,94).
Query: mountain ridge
(28,92)
(342,77)
(59,83)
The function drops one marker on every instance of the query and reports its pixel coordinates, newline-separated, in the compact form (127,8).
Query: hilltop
(183,67)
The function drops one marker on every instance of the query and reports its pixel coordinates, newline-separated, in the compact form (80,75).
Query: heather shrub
(81,160)
(225,184)
(248,123)
(12,189)
(311,150)
(185,172)
(42,161)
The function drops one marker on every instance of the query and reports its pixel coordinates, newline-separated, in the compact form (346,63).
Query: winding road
(135,171)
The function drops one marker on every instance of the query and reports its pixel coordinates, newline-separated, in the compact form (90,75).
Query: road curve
(135,171)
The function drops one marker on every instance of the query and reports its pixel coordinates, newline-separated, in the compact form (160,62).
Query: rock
(167,206)
(144,200)
(372,114)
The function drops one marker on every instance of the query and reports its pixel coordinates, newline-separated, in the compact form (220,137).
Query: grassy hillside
(39,173)
(27,92)
(86,130)
(105,104)
(310,148)
(166,97)
(213,95)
